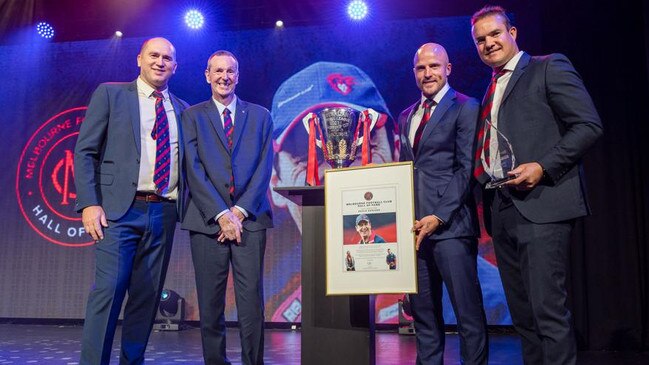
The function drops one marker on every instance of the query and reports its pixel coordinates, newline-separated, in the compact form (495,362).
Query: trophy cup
(337,131)
(507,162)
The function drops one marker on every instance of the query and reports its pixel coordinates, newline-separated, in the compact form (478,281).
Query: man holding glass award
(537,120)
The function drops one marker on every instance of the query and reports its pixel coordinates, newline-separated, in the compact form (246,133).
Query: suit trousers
(212,261)
(452,261)
(133,258)
(533,263)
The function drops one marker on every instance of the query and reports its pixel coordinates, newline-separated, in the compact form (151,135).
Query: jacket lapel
(240,121)
(178,111)
(437,115)
(215,118)
(134,113)
(518,72)
(405,131)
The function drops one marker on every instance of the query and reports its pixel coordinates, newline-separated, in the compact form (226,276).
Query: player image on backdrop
(320,85)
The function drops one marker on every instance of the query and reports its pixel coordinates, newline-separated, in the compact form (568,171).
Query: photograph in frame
(369,244)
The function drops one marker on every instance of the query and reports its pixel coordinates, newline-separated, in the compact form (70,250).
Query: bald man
(128,182)
(437,134)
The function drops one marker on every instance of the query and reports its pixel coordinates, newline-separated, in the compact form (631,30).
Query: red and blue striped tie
(484,129)
(428,105)
(228,128)
(160,134)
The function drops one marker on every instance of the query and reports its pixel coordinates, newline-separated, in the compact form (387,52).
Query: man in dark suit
(540,107)
(229,160)
(127,180)
(437,134)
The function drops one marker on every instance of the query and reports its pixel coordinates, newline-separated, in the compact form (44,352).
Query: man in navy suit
(229,158)
(437,134)
(541,106)
(128,201)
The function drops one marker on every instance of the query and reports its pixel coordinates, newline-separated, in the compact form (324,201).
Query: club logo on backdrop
(340,83)
(45,180)
(368,196)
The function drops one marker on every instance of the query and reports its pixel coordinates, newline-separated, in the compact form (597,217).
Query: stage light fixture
(45,30)
(279,24)
(171,312)
(194,19)
(357,10)
(118,34)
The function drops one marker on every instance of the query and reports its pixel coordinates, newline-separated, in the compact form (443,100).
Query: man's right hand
(231,227)
(94,218)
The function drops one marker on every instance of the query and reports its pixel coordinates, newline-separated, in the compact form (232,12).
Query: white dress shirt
(419,113)
(148,144)
(495,169)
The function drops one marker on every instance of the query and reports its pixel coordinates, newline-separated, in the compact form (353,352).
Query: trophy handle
(373,115)
(305,122)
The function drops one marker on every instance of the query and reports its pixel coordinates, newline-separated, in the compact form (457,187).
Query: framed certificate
(369,213)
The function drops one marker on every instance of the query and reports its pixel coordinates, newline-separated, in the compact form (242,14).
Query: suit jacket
(210,163)
(107,153)
(549,117)
(443,164)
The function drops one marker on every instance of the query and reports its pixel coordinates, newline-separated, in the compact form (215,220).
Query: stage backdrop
(46,262)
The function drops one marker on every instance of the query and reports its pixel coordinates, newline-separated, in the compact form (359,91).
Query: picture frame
(369,214)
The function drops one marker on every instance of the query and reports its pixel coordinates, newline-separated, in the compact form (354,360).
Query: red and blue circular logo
(45,180)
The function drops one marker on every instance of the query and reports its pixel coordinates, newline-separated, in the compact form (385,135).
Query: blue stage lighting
(194,19)
(45,30)
(357,10)
(165,295)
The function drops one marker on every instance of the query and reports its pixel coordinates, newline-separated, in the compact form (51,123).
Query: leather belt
(151,197)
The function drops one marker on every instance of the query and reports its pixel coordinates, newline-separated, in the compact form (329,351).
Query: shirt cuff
(216,219)
(243,211)
(441,222)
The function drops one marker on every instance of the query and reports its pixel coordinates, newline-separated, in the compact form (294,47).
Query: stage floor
(50,344)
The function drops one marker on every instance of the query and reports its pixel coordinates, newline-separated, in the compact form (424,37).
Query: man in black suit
(437,134)
(229,159)
(540,107)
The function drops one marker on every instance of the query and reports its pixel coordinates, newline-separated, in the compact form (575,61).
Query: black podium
(335,329)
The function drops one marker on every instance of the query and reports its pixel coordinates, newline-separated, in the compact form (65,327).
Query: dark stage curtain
(610,263)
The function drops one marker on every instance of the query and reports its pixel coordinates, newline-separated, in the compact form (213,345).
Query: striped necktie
(160,134)
(428,105)
(484,129)
(228,128)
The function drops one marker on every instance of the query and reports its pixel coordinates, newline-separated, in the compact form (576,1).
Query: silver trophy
(499,176)
(339,131)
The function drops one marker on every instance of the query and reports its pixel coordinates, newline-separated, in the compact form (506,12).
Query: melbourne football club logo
(45,180)
(340,83)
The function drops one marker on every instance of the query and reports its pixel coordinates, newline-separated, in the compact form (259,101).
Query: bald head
(431,68)
(160,41)
(431,48)
(157,62)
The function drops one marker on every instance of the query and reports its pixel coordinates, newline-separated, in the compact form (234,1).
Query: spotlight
(357,10)
(118,34)
(194,19)
(171,312)
(279,24)
(45,30)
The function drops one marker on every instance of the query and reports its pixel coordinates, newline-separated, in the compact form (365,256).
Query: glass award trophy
(505,154)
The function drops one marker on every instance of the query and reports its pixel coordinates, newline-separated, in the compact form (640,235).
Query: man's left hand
(527,175)
(238,213)
(424,228)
